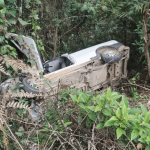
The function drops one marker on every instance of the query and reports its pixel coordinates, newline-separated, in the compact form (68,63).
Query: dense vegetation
(83,119)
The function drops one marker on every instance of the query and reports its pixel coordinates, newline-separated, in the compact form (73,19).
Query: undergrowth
(80,120)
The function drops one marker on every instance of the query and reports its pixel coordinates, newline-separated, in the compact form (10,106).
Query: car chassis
(88,69)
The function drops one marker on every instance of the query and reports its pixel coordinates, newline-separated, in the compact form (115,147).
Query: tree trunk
(146,39)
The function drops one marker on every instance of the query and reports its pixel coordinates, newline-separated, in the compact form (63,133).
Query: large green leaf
(146,119)
(134,134)
(106,112)
(134,111)
(125,101)
(115,96)
(124,111)
(79,98)
(83,106)
(118,113)
(119,132)
(98,108)
(147,139)
(91,108)
(108,93)
(113,118)
(109,123)
(147,125)
(92,116)
(144,110)
(74,98)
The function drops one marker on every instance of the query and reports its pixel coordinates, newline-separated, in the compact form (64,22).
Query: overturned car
(93,68)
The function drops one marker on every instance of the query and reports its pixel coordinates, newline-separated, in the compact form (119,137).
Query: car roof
(85,55)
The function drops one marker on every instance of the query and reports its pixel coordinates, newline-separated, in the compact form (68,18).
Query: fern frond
(14,104)
(3,70)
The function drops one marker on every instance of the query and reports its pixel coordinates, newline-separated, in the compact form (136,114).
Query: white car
(93,68)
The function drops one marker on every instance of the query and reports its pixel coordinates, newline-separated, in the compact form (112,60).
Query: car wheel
(111,56)
(29,86)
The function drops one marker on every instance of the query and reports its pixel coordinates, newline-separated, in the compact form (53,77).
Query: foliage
(67,26)
(112,110)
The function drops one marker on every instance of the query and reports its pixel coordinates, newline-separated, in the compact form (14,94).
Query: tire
(111,56)
(28,88)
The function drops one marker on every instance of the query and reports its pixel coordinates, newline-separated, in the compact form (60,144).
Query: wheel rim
(32,84)
(111,53)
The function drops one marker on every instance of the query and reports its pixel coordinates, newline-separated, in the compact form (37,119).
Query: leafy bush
(112,110)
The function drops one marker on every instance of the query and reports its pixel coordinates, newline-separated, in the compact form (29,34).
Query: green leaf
(83,106)
(79,98)
(134,111)
(98,108)
(12,13)
(91,108)
(2,39)
(3,11)
(118,113)
(116,123)
(108,93)
(74,98)
(115,97)
(125,101)
(113,118)
(147,139)
(147,147)
(100,102)
(36,17)
(88,123)
(67,123)
(141,140)
(18,134)
(84,7)
(22,22)
(100,126)
(147,125)
(38,2)
(92,116)
(1,1)
(134,134)
(37,28)
(144,110)
(124,111)
(109,123)
(119,132)
(106,112)
(133,117)
(122,125)
(146,119)
(44,130)
(21,129)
